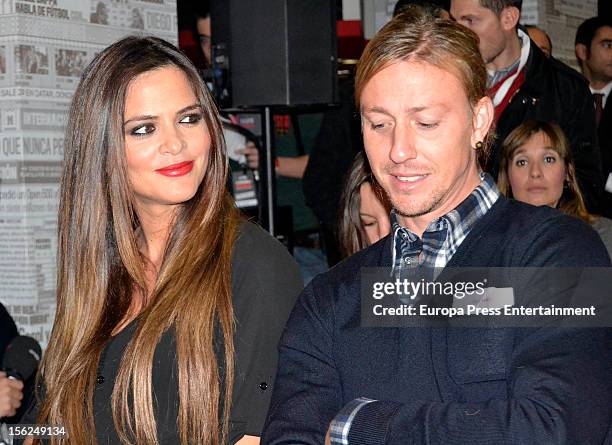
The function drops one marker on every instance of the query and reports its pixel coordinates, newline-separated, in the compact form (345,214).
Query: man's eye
(143,130)
(191,118)
(377,127)
(427,125)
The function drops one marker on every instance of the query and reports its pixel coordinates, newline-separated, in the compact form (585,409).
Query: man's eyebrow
(464,17)
(385,111)
(146,117)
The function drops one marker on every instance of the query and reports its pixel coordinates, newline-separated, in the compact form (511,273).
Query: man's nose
(403,144)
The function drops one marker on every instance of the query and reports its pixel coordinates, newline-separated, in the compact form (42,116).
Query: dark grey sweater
(448,385)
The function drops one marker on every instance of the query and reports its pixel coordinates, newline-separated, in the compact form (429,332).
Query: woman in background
(169,306)
(364,209)
(536,167)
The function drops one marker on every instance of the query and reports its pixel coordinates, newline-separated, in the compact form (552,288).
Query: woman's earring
(479,145)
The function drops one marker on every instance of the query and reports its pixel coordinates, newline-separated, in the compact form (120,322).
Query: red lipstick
(175,170)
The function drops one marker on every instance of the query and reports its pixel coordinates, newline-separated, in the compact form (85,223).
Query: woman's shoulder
(255,243)
(266,281)
(259,256)
(252,235)
(602,224)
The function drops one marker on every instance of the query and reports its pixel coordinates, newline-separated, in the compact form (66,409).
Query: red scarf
(516,85)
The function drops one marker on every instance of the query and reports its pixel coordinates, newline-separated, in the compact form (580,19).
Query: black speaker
(274,52)
(604,8)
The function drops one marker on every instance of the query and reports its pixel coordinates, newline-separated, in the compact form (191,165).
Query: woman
(364,217)
(536,167)
(169,308)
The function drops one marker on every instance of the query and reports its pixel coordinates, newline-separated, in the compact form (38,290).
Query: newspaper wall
(560,19)
(44,47)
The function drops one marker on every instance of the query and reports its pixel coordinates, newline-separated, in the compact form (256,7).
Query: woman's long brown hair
(100,266)
(351,233)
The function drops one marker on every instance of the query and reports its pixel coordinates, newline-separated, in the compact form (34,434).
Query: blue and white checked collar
(443,235)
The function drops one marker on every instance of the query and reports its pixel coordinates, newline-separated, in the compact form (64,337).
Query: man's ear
(509,17)
(482,119)
(582,52)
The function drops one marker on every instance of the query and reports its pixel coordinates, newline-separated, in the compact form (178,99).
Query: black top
(8,330)
(265,283)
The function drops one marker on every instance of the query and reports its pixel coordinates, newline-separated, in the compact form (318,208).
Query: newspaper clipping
(44,47)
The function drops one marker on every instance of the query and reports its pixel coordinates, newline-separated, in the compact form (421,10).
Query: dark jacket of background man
(594,55)
(605,135)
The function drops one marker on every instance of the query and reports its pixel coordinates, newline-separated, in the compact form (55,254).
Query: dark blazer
(554,92)
(8,330)
(447,385)
(605,143)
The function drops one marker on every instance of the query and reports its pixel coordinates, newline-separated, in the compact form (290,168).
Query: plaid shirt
(440,241)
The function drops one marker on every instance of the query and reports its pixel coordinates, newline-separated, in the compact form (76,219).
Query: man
(540,38)
(239,148)
(202,31)
(594,54)
(421,91)
(441,5)
(11,391)
(338,141)
(525,85)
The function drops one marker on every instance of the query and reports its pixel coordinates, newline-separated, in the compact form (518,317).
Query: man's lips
(408,182)
(413,177)
(180,169)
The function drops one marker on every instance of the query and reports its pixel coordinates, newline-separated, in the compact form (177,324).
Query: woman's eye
(520,162)
(143,130)
(191,118)
(550,159)
(368,223)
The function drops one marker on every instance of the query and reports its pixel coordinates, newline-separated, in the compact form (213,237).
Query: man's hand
(251,153)
(292,166)
(11,393)
(327,436)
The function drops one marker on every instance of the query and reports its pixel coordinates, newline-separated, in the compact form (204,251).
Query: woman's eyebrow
(145,117)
